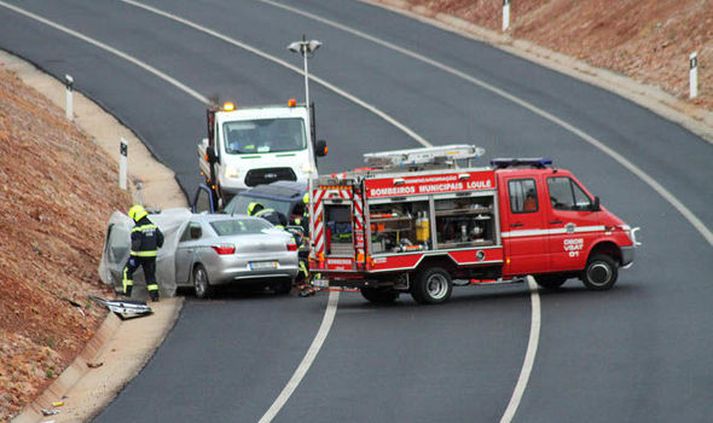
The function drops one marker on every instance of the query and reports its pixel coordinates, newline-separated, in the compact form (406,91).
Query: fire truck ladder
(418,157)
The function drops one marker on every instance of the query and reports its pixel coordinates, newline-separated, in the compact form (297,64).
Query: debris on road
(125,309)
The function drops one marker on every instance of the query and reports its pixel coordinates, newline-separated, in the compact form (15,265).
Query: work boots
(127,291)
(154,296)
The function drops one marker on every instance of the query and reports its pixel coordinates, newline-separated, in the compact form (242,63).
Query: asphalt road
(640,352)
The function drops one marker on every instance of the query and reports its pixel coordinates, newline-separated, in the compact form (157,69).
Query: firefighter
(258,210)
(146,239)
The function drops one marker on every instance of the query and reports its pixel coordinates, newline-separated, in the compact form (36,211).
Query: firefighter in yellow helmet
(146,239)
(276,218)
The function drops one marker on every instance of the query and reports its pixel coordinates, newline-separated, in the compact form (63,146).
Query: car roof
(208,218)
(278,190)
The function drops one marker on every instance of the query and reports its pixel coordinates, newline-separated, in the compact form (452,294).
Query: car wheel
(379,295)
(283,287)
(432,286)
(201,283)
(550,281)
(601,273)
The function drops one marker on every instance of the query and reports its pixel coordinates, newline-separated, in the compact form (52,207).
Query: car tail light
(224,249)
(292,246)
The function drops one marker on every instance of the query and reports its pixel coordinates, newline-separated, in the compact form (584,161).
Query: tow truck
(420,221)
(258,145)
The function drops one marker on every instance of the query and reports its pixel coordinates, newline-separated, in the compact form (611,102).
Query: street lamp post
(307,48)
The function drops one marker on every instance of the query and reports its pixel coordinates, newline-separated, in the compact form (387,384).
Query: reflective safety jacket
(272,216)
(146,239)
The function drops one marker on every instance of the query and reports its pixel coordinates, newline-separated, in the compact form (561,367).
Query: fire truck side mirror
(321,148)
(596,206)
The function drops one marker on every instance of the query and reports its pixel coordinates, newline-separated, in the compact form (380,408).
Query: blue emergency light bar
(536,162)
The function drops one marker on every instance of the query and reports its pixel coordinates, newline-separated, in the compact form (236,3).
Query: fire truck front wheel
(601,272)
(379,295)
(432,286)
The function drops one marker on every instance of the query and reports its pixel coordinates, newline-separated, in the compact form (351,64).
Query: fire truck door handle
(555,222)
(516,225)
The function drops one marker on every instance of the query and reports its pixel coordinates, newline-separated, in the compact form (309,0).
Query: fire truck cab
(416,221)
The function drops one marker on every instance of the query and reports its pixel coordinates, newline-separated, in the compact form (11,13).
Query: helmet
(254,207)
(305,198)
(137,212)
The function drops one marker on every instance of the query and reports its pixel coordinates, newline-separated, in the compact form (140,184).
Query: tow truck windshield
(264,136)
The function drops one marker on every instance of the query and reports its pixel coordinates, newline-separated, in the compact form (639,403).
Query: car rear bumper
(238,269)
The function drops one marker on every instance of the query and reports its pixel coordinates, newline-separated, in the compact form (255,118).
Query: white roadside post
(123,163)
(68,97)
(693,75)
(506,15)
(306,49)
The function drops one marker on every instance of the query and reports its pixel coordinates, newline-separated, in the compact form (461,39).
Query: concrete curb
(122,348)
(696,119)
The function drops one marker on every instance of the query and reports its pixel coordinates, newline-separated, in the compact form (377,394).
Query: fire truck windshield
(264,136)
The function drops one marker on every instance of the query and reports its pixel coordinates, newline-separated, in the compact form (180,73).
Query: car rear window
(239,226)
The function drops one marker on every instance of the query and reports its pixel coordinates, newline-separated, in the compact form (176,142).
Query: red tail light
(224,249)
(292,247)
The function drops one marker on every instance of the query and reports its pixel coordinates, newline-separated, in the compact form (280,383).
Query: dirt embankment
(648,40)
(57,190)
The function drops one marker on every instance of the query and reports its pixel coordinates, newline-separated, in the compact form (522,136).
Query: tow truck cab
(246,147)
(388,232)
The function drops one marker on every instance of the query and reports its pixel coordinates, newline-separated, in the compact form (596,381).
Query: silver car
(219,249)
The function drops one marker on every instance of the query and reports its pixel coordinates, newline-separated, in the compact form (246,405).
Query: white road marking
(527,365)
(307,361)
(641,174)
(287,65)
(181,86)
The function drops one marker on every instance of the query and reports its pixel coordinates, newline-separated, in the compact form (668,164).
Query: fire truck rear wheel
(432,286)
(379,295)
(550,281)
(601,273)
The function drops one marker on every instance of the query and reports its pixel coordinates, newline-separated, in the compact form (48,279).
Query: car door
(572,223)
(523,227)
(185,252)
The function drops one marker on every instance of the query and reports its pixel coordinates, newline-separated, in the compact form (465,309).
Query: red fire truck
(419,221)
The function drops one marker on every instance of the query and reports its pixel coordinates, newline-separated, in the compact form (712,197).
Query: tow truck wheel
(201,283)
(379,295)
(432,286)
(550,281)
(601,273)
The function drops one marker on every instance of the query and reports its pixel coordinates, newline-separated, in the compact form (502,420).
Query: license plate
(320,283)
(263,265)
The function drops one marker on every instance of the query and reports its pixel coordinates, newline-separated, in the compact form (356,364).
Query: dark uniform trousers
(146,238)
